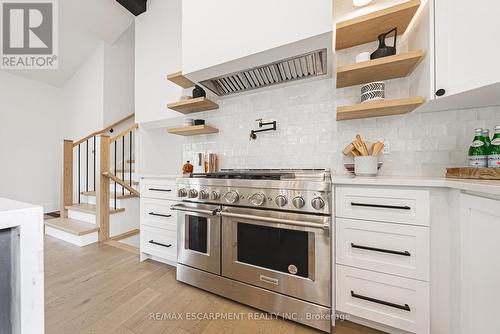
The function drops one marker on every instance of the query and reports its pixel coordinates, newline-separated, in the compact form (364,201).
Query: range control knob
(193,193)
(215,195)
(318,203)
(298,202)
(257,199)
(280,200)
(203,194)
(182,192)
(231,197)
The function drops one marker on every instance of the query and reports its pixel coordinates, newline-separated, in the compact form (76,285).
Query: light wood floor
(102,289)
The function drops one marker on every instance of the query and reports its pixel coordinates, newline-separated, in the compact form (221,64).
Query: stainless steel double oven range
(260,237)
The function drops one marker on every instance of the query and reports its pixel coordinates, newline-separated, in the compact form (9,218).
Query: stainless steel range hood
(303,66)
(302,60)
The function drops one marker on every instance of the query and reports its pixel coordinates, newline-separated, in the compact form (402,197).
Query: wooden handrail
(106,129)
(124,133)
(83,140)
(122,183)
(118,122)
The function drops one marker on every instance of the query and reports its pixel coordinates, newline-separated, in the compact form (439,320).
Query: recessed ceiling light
(360,3)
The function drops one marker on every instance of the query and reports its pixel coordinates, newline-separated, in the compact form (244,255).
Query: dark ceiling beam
(136,7)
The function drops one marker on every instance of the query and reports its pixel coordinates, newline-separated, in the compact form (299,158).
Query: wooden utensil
(360,146)
(350,149)
(377,147)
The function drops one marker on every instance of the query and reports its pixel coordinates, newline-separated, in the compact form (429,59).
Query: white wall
(217,31)
(157,53)
(160,152)
(36,117)
(83,97)
(30,141)
(119,63)
(101,92)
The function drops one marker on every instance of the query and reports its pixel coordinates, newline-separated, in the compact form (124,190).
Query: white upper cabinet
(215,32)
(466,40)
(463,67)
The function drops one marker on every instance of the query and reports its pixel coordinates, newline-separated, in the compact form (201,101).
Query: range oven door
(284,252)
(198,236)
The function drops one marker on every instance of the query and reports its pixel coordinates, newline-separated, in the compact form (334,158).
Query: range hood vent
(304,66)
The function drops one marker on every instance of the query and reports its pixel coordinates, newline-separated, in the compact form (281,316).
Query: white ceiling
(82,26)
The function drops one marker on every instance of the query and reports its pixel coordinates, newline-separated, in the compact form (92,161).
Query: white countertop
(12,213)
(482,186)
(8,205)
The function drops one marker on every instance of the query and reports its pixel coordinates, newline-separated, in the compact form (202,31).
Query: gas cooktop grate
(244,176)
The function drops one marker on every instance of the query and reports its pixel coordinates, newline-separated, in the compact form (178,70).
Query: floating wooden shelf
(180,80)
(193,105)
(386,68)
(193,130)
(379,108)
(366,28)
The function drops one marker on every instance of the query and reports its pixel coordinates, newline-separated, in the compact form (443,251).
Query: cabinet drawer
(157,213)
(390,300)
(384,204)
(158,242)
(385,247)
(159,189)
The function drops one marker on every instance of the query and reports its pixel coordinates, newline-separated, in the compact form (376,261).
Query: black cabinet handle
(157,189)
(159,215)
(440,92)
(402,207)
(404,307)
(159,244)
(405,253)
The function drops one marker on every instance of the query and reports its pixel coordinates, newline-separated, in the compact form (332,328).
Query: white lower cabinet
(159,243)
(382,247)
(387,299)
(479,265)
(395,249)
(158,221)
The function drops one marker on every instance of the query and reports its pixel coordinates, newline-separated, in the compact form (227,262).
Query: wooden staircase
(99,201)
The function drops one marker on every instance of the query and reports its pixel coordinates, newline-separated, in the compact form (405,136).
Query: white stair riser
(82,216)
(81,240)
(92,200)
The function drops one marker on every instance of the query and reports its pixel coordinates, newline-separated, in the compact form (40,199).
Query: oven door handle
(324,226)
(188,209)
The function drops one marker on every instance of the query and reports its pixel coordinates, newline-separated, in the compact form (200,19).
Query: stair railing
(116,150)
(96,152)
(122,146)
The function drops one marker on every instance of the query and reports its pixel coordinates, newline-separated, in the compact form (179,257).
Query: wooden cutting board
(473,173)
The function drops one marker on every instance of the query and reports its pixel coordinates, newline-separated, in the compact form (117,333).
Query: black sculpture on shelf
(384,50)
(198,92)
(253,135)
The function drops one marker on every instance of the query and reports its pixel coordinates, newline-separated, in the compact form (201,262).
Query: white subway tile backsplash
(308,135)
